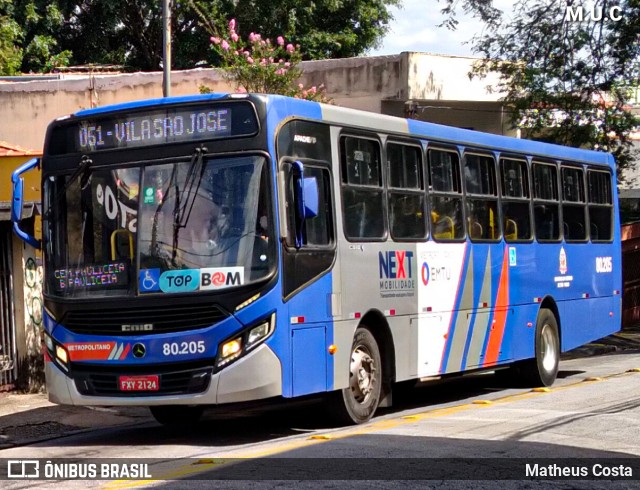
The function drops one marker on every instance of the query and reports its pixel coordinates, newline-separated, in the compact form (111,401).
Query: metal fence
(8,365)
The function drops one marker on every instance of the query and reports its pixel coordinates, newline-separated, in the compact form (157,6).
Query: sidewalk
(25,419)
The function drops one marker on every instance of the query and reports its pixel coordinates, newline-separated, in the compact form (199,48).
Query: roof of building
(9,150)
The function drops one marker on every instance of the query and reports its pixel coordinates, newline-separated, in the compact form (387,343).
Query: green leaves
(566,81)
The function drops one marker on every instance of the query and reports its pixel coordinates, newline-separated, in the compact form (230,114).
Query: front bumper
(255,376)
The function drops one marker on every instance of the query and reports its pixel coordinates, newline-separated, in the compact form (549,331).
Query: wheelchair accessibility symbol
(149,280)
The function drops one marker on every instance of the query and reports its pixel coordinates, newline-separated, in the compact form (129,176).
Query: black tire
(177,415)
(358,402)
(543,369)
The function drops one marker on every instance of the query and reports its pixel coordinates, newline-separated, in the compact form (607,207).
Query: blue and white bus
(222,248)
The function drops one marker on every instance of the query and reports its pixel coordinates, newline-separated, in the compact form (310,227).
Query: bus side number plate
(139,383)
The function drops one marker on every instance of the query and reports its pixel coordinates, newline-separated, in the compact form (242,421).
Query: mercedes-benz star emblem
(139,350)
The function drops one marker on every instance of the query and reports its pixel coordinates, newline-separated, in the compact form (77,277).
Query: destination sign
(156,126)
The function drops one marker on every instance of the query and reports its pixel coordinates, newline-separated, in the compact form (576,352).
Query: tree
(28,36)
(129,32)
(567,81)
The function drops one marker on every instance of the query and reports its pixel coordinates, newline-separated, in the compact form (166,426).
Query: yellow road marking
(205,464)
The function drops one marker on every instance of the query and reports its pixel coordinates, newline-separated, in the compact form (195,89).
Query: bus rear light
(427,309)
(390,312)
(585,295)
(537,300)
(616,292)
(297,319)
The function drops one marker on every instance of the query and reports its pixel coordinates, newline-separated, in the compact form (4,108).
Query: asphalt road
(593,412)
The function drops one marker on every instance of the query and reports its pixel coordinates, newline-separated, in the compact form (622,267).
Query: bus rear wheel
(177,415)
(358,402)
(543,369)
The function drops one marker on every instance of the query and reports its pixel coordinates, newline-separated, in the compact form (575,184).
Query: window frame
(527,198)
(574,204)
(407,191)
(556,201)
(342,138)
(431,193)
(475,196)
(590,204)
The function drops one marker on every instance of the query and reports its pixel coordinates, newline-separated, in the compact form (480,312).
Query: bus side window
(316,231)
(407,217)
(482,197)
(546,208)
(445,185)
(362,191)
(573,204)
(516,214)
(600,206)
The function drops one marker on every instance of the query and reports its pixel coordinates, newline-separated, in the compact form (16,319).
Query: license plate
(140,383)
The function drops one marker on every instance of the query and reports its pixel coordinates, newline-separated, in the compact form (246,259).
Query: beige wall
(367,83)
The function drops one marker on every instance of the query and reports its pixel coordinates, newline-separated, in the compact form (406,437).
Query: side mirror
(18,198)
(16,203)
(307,199)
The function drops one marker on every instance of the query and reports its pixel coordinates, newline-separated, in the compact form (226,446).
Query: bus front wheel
(177,415)
(543,369)
(358,402)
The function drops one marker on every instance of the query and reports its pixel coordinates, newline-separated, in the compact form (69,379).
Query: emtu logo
(593,13)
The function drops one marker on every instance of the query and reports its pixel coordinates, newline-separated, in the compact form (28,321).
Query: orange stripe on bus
(500,315)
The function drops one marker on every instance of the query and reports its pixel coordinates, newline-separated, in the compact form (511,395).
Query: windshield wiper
(192,182)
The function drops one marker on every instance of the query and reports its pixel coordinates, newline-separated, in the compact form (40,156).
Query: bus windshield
(195,225)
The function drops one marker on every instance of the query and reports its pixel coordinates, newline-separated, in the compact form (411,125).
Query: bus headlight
(57,352)
(61,354)
(232,349)
(258,333)
(48,342)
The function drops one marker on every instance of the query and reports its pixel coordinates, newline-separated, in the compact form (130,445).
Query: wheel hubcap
(362,376)
(549,349)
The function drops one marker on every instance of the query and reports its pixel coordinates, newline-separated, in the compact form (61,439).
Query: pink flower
(215,40)
(281,71)
(290,48)
(234,37)
(225,45)
(262,43)
(250,60)
(241,90)
(280,60)
(252,37)
(313,90)
(280,41)
(287,64)
(232,25)
(263,62)
(304,93)
(300,86)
